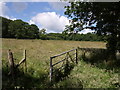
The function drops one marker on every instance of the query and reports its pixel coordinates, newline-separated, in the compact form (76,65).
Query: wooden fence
(68,55)
(77,54)
(14,66)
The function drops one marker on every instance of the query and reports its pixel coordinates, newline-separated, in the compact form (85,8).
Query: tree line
(23,30)
(18,29)
(74,37)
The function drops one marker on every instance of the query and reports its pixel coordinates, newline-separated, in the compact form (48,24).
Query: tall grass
(38,54)
(85,75)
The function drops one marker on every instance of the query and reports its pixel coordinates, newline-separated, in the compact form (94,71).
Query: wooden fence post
(77,56)
(11,62)
(67,58)
(24,55)
(51,69)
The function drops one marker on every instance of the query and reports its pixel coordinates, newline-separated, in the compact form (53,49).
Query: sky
(48,15)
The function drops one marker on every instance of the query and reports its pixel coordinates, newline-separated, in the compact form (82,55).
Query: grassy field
(38,54)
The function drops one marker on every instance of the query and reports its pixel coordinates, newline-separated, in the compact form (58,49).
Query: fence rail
(84,50)
(68,56)
(63,53)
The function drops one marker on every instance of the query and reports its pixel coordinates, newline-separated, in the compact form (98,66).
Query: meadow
(38,52)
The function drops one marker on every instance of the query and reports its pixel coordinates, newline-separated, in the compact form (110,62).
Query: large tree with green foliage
(33,31)
(17,28)
(22,30)
(106,16)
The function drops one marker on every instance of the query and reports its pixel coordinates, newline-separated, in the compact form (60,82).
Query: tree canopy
(5,23)
(18,29)
(104,17)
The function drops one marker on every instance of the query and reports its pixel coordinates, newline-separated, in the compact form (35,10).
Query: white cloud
(3,9)
(13,18)
(19,6)
(31,22)
(51,21)
(30,0)
(85,31)
(58,5)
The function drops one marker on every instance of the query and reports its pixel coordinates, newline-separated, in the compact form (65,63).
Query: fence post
(51,69)
(76,55)
(24,55)
(67,58)
(11,62)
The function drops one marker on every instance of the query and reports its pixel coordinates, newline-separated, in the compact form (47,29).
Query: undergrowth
(85,75)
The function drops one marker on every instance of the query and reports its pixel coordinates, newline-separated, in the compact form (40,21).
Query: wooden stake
(76,56)
(11,62)
(51,69)
(24,56)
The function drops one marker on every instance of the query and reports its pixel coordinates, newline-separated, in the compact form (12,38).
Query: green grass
(88,76)
(38,55)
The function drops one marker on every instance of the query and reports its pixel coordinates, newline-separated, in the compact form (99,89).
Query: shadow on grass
(60,74)
(24,80)
(28,80)
(63,75)
(101,59)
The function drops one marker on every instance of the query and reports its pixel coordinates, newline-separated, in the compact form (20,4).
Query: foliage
(84,37)
(85,75)
(33,31)
(5,23)
(18,29)
(42,34)
(106,16)
(42,31)
(73,36)
(22,30)
(55,36)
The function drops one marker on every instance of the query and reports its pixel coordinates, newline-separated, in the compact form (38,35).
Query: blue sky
(48,15)
(27,10)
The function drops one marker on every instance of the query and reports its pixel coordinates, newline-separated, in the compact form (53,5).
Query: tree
(42,34)
(5,23)
(17,29)
(33,31)
(22,30)
(42,31)
(54,36)
(105,15)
